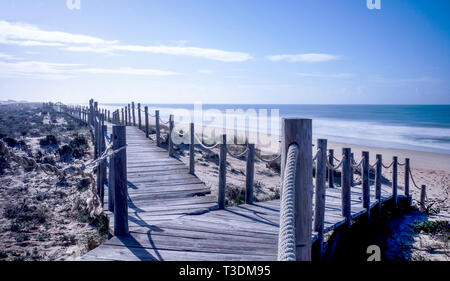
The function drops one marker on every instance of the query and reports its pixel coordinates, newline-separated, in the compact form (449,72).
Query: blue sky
(252,51)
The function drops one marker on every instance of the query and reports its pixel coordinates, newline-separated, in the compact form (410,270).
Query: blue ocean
(414,127)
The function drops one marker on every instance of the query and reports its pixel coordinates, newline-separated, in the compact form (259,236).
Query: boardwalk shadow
(261,219)
(141,252)
(131,205)
(131,185)
(138,249)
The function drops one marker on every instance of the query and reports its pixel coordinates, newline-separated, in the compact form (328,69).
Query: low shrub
(48,140)
(11,142)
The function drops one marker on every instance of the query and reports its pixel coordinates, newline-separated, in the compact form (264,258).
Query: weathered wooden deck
(172,215)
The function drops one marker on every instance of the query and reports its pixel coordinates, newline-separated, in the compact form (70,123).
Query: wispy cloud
(29,35)
(327,75)
(212,54)
(36,70)
(311,57)
(391,80)
(129,71)
(4,56)
(22,34)
(60,71)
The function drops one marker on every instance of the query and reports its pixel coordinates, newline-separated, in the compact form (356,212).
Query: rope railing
(203,145)
(387,166)
(334,167)
(374,164)
(317,153)
(412,179)
(164,122)
(238,155)
(356,165)
(260,157)
(286,234)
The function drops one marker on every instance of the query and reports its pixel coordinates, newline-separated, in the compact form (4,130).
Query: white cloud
(22,34)
(212,54)
(311,57)
(26,34)
(58,71)
(4,56)
(128,71)
(390,80)
(36,69)
(327,75)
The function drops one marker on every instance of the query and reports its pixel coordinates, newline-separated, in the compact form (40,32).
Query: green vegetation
(433,227)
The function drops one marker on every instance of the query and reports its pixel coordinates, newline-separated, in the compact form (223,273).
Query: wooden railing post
(146,121)
(352,170)
(423,195)
(120,182)
(346,188)
(111,181)
(104,166)
(129,115)
(192,150)
(91,112)
(299,131)
(101,169)
(139,116)
(222,172)
(171,124)
(96,130)
(319,213)
(407,168)
(394,181)
(330,171)
(134,115)
(250,174)
(365,181)
(157,128)
(378,178)
(123,118)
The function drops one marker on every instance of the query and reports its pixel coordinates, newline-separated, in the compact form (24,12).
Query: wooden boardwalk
(172,215)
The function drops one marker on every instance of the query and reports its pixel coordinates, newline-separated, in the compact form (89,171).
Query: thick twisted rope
(286,234)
